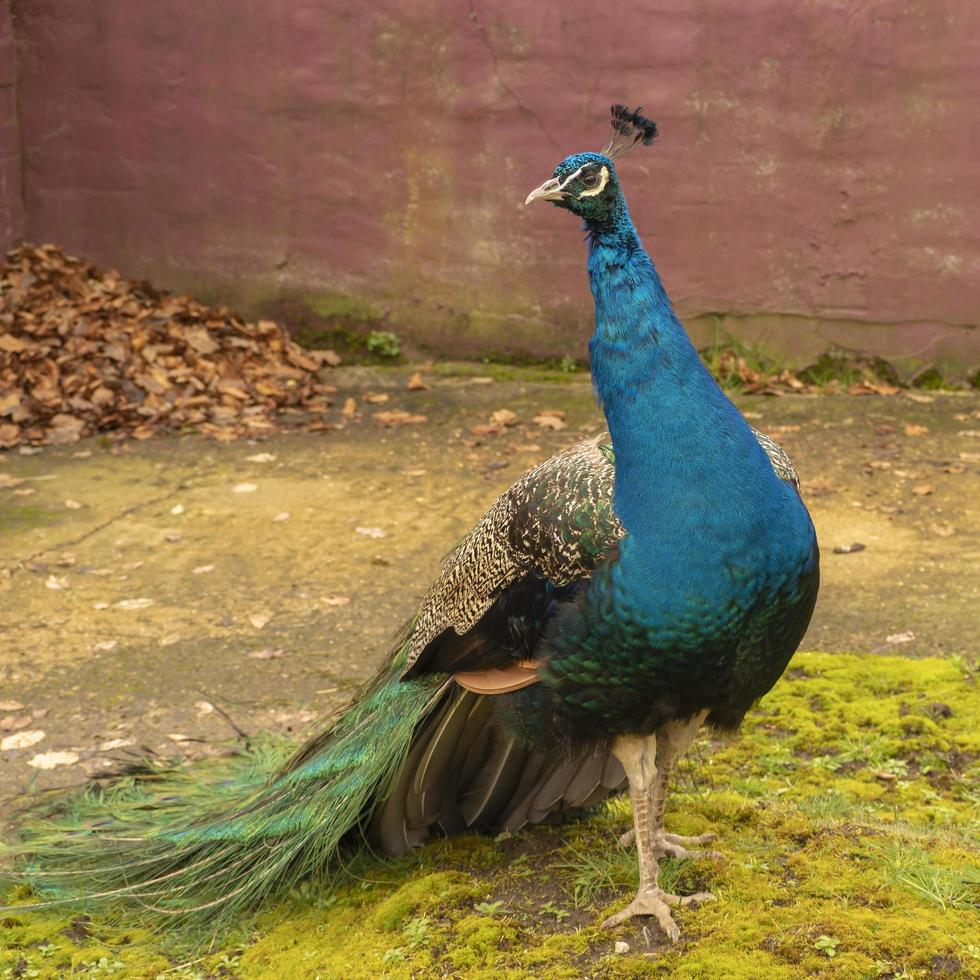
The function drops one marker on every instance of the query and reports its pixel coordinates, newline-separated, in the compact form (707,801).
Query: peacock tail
(178,847)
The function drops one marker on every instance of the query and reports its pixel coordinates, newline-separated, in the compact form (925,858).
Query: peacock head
(586,183)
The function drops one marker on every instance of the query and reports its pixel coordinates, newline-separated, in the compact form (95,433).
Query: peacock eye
(590,180)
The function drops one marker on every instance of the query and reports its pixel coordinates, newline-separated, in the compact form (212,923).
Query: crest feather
(628,129)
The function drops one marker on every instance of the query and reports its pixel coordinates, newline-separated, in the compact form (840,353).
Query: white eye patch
(600,187)
(569,178)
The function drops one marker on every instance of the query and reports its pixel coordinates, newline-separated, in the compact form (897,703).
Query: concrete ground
(160,595)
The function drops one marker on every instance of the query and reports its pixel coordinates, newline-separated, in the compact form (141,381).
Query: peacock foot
(656,902)
(675,845)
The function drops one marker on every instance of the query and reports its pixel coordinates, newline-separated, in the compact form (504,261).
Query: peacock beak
(550,190)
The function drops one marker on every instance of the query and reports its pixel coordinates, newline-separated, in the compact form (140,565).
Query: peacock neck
(670,423)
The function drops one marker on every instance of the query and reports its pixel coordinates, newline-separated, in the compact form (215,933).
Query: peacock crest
(628,129)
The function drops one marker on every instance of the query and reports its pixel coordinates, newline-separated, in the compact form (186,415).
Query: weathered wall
(11,211)
(815,180)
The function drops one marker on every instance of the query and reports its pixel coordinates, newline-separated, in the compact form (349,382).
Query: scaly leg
(648,794)
(672,743)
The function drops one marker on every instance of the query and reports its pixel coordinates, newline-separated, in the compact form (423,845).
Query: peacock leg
(677,845)
(674,740)
(648,794)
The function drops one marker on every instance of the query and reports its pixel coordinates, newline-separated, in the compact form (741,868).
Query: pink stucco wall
(816,177)
(11,210)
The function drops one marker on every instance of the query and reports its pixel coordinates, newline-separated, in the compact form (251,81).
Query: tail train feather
(206,851)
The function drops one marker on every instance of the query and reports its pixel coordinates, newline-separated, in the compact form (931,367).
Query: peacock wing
(542,535)
(540,538)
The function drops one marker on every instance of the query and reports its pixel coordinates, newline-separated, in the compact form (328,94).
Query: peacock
(617,598)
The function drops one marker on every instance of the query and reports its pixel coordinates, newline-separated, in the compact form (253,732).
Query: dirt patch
(161,594)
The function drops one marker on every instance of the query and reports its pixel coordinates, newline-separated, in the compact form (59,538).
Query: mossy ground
(846,809)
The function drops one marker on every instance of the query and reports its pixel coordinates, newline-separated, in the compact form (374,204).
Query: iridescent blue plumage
(715,580)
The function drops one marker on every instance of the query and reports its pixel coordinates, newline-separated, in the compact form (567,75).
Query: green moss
(846,810)
(23,516)
(333,306)
(478,941)
(527,370)
(427,894)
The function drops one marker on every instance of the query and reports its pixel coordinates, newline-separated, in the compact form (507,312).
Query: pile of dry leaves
(83,351)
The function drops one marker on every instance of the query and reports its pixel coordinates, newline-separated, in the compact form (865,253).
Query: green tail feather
(202,852)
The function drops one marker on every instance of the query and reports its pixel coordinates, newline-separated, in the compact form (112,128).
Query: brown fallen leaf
(849,549)
(942,530)
(11,706)
(415,383)
(389,419)
(916,430)
(260,619)
(549,421)
(504,417)
(907,637)
(11,723)
(202,569)
(51,760)
(923,489)
(326,356)
(21,740)
(336,600)
(350,407)
(375,398)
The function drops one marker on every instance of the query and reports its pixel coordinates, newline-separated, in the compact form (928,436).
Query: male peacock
(611,602)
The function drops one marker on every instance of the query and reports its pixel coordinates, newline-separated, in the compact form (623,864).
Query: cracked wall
(815,179)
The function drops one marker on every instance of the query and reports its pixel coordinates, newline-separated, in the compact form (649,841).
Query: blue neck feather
(691,479)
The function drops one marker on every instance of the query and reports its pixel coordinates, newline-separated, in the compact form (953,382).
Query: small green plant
(417,932)
(491,909)
(827,945)
(384,343)
(568,365)
(549,908)
(394,955)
